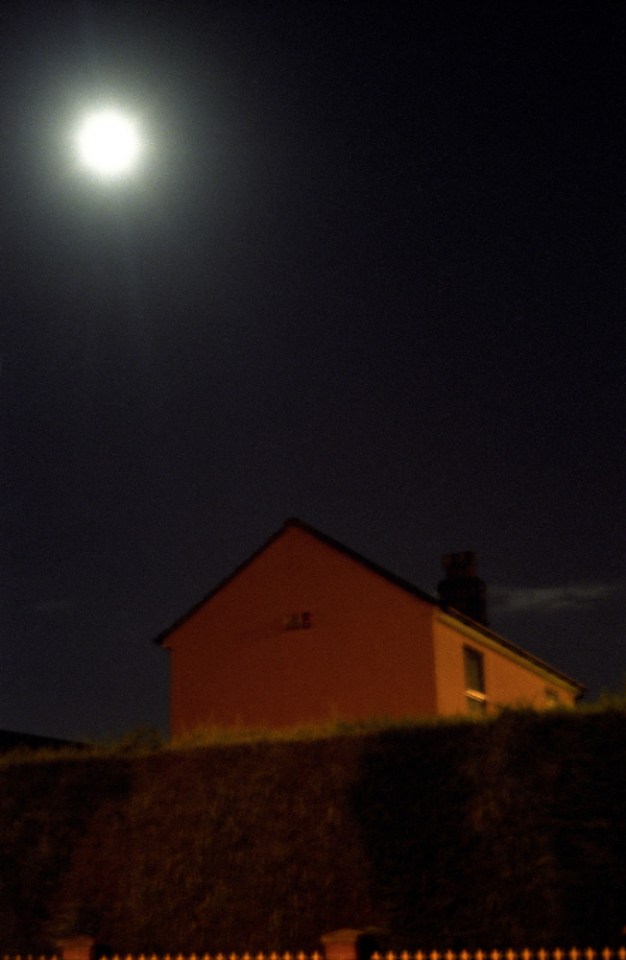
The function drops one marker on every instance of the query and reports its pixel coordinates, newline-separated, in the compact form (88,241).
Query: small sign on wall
(298,621)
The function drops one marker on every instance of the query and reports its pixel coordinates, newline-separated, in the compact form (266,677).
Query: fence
(340,945)
(300,955)
(556,954)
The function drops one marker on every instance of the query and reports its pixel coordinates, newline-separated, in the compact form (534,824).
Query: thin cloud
(577,596)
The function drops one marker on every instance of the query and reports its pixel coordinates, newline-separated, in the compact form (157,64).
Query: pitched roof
(382,572)
(324,538)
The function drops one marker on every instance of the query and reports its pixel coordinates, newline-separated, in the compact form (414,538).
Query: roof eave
(498,640)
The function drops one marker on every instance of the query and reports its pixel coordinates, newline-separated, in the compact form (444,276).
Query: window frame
(475,696)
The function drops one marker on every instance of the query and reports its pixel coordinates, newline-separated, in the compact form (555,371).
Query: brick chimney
(461,589)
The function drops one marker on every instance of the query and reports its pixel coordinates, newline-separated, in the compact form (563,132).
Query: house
(306,630)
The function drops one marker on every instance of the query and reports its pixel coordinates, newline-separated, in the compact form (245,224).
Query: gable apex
(296,523)
(376,568)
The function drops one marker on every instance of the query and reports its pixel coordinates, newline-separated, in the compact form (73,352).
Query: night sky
(369,272)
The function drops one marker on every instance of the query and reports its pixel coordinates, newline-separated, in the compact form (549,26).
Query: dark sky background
(370,273)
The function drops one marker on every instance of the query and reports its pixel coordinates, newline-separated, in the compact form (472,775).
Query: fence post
(77,948)
(341,944)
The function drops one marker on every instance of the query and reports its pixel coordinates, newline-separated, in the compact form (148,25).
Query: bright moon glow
(108,143)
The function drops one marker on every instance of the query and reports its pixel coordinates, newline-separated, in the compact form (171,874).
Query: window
(474,681)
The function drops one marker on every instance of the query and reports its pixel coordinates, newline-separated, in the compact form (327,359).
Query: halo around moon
(109,143)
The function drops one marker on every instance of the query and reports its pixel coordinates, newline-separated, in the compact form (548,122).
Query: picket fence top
(574,953)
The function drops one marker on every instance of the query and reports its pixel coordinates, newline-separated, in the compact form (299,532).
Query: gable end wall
(243,658)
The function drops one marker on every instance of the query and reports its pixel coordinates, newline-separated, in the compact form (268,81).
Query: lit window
(474,681)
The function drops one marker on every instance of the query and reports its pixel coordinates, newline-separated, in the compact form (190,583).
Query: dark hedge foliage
(505,834)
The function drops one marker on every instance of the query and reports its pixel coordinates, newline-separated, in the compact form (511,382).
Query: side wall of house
(509,680)
(301,634)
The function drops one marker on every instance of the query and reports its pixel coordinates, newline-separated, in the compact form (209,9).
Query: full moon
(109,143)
